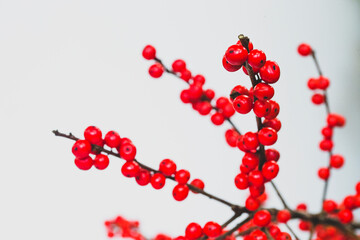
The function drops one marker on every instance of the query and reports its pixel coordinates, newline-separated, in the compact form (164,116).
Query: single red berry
(301,207)
(185,75)
(274,110)
(241,181)
(228,110)
(84,163)
(127,151)
(270,72)
(349,202)
(283,236)
(262,218)
(256,178)
(324,173)
(199,80)
(101,161)
(179,65)
(195,92)
(251,140)
(252,203)
(250,161)
(130,169)
(232,136)
(228,66)
(212,229)
(357,188)
(304,49)
(274,230)
(185,96)
(205,108)
(149,52)
(256,191)
(340,120)
(345,216)
(180,192)
(197,183)
(81,148)
(327,132)
(273,123)
(125,140)
(336,161)
(156,70)
(93,134)
(243,104)
(256,58)
(167,167)
(323,82)
(272,155)
(209,93)
(258,235)
(318,98)
(267,136)
(334,120)
(329,206)
(263,91)
(193,231)
(326,145)
(313,83)
(237,91)
(143,177)
(261,108)
(157,181)
(270,170)
(283,216)
(304,226)
(236,55)
(112,139)
(221,102)
(182,176)
(217,119)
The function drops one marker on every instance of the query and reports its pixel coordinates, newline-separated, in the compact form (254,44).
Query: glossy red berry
(157,181)
(272,155)
(241,181)
(81,148)
(313,83)
(327,132)
(180,192)
(252,203)
(336,161)
(228,66)
(256,58)
(318,98)
(178,65)
(267,136)
(185,75)
(263,91)
(236,55)
(261,108)
(345,216)
(101,161)
(273,123)
(232,137)
(349,202)
(324,173)
(326,145)
(156,70)
(198,183)
(262,218)
(270,170)
(301,207)
(93,134)
(84,163)
(304,49)
(209,93)
(283,236)
(167,167)
(256,178)
(228,110)
(274,110)
(237,91)
(274,230)
(323,83)
(258,235)
(243,104)
(212,229)
(329,206)
(256,191)
(182,176)
(304,225)
(193,231)
(130,169)
(250,161)
(149,52)
(127,151)
(143,177)
(283,216)
(112,139)
(199,79)
(270,72)
(185,96)
(217,119)
(204,108)
(251,140)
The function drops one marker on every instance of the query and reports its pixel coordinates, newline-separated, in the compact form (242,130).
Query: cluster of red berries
(123,228)
(195,231)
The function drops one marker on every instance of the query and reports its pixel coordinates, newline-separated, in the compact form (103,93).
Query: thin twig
(292,231)
(231,231)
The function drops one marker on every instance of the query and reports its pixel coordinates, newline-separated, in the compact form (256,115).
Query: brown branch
(231,231)
(279,195)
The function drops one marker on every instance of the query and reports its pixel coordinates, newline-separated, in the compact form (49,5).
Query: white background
(70,64)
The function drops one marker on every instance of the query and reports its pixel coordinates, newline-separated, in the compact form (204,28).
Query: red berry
(329,206)
(324,173)
(232,136)
(313,83)
(167,167)
(199,80)
(156,70)
(274,110)
(212,229)
(304,49)
(157,181)
(270,72)
(84,163)
(349,202)
(185,75)
(179,65)
(345,216)
(283,216)
(241,181)
(336,161)
(357,188)
(130,169)
(323,83)
(250,140)
(261,108)
(283,236)
(256,191)
(267,136)
(256,58)
(243,104)
(263,91)
(185,96)
(149,52)
(209,93)
(228,110)
(93,134)
(143,177)
(180,192)
(327,132)
(270,170)
(326,145)
(250,161)
(112,139)
(101,161)
(221,102)
(273,123)
(193,231)
(274,230)
(217,118)
(252,203)
(205,108)
(228,66)
(197,183)
(182,176)
(258,235)
(318,98)
(272,155)
(304,226)
(256,178)
(237,91)
(236,55)
(81,148)
(334,119)
(262,218)
(127,151)
(301,206)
